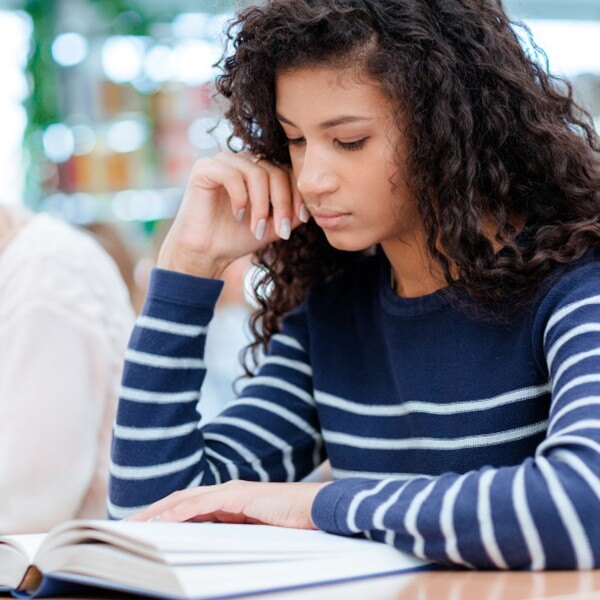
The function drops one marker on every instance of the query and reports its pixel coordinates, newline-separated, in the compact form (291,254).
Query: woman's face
(342,147)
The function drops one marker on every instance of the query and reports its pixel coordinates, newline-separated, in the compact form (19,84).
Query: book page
(163,538)
(111,567)
(16,554)
(27,543)
(225,580)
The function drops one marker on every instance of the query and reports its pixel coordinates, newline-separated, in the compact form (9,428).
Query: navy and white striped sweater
(460,442)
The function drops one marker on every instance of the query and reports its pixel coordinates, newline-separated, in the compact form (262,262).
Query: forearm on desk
(269,433)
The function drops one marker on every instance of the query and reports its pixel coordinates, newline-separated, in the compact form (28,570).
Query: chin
(349,243)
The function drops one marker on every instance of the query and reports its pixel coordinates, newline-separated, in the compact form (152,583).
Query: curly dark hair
(492,137)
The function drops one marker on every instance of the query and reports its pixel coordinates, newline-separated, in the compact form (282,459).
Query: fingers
(281,199)
(298,202)
(165,504)
(203,507)
(220,173)
(258,185)
(199,504)
(226,517)
(269,187)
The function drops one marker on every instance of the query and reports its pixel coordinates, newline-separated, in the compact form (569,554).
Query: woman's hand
(281,504)
(232,206)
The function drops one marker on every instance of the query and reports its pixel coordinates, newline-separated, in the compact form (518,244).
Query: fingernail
(240,215)
(285,229)
(154,519)
(304,216)
(260,229)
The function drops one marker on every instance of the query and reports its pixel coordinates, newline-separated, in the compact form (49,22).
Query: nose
(315,176)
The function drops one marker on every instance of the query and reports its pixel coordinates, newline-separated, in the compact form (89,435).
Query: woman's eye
(357,145)
(351,145)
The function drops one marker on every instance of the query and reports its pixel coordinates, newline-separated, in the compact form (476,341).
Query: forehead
(317,93)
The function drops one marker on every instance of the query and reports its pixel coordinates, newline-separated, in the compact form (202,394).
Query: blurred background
(104,107)
(106,104)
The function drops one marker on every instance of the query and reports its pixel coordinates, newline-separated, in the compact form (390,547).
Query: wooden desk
(559,585)
(463,585)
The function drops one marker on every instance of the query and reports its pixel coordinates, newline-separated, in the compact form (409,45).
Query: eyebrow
(331,122)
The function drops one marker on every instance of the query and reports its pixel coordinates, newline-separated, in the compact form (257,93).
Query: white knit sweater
(65,318)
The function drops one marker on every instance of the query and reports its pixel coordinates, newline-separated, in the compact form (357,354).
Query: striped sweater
(460,442)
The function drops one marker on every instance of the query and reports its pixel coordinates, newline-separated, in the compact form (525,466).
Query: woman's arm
(50,412)
(269,433)
(541,514)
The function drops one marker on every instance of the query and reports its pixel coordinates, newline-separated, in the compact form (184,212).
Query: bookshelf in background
(120,106)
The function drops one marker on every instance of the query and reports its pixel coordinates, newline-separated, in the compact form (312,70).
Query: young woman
(425,203)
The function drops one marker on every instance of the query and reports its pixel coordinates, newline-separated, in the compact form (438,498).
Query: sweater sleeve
(270,432)
(541,514)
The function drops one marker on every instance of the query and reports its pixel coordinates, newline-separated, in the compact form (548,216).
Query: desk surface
(559,585)
(463,586)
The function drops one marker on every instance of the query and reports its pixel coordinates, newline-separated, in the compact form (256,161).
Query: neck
(414,272)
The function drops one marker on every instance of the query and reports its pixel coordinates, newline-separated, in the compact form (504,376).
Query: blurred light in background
(193,60)
(572,47)
(69,49)
(123,57)
(199,136)
(199,25)
(145,205)
(127,135)
(58,142)
(158,63)
(84,139)
(191,25)
(127,58)
(137,205)
(79,208)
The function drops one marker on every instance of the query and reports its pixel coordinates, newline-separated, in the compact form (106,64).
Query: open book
(188,560)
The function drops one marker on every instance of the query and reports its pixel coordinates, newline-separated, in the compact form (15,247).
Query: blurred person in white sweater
(65,318)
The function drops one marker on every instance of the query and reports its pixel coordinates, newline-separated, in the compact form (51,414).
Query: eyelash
(348,146)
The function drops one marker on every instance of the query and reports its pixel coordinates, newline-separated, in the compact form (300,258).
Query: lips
(332,220)
(326,214)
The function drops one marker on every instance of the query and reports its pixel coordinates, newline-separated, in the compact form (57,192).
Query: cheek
(374,181)
(295,164)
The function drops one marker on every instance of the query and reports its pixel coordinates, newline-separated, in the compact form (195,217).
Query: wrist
(317,489)
(191,263)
